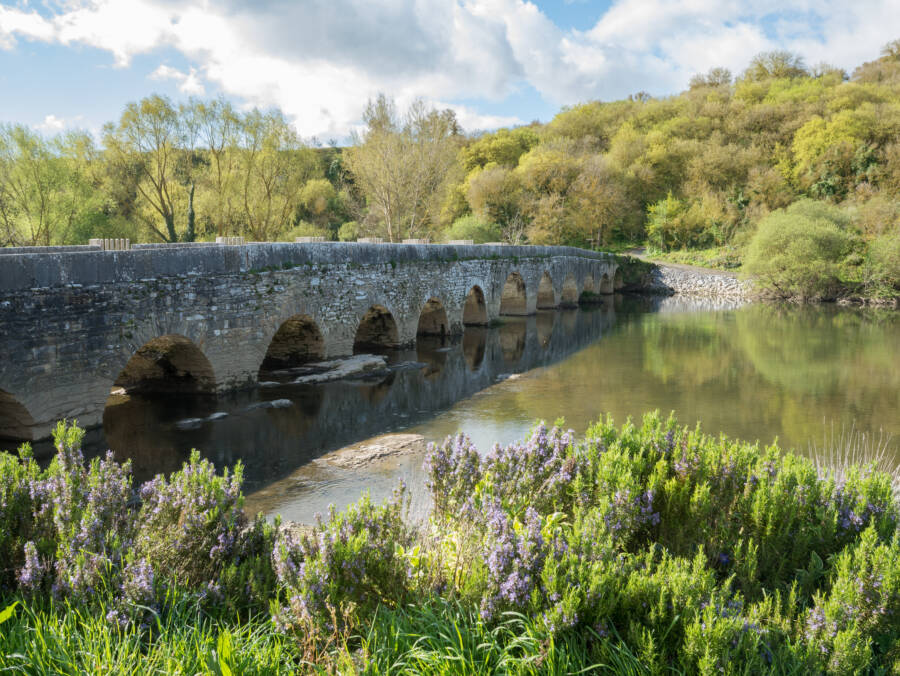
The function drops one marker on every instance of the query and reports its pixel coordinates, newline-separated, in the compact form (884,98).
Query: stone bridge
(77,323)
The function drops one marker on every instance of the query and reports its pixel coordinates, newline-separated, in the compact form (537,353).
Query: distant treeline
(710,167)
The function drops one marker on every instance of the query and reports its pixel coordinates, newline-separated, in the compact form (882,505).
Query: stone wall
(71,321)
(698,283)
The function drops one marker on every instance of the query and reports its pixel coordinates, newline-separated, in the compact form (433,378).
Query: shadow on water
(275,429)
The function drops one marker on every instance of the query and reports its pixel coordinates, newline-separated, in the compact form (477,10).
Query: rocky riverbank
(670,279)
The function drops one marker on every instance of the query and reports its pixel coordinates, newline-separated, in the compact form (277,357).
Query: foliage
(402,164)
(639,548)
(472,227)
(697,170)
(797,251)
(348,232)
(883,274)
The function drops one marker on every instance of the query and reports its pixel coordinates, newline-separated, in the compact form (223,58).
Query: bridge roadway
(76,322)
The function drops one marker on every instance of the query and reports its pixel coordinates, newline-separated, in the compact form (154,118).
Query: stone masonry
(71,320)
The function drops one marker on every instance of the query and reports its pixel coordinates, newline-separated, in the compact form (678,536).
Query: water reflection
(277,428)
(754,372)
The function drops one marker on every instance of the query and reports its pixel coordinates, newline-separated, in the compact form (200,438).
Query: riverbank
(634,547)
(655,277)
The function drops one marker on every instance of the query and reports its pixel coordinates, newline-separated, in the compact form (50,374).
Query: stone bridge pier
(77,324)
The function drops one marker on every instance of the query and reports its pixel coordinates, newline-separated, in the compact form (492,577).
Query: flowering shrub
(189,524)
(344,568)
(17,477)
(682,550)
(681,542)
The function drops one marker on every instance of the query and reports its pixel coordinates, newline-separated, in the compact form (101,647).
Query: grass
(717,258)
(843,450)
(61,638)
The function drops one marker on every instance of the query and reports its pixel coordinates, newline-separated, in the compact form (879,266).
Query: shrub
(304,229)
(796,252)
(189,525)
(675,224)
(348,232)
(474,228)
(883,270)
(344,569)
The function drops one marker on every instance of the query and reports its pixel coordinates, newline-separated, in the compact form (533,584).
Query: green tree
(775,64)
(218,132)
(144,147)
(474,228)
(44,185)
(400,165)
(274,167)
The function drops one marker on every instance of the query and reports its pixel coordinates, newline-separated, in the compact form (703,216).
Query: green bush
(472,227)
(304,229)
(884,265)
(348,232)
(796,252)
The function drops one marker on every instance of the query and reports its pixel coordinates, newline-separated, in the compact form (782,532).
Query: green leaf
(8,612)
(224,650)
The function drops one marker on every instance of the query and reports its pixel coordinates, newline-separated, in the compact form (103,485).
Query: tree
(274,167)
(400,165)
(144,146)
(495,195)
(474,228)
(218,131)
(598,201)
(775,64)
(44,185)
(715,77)
(891,50)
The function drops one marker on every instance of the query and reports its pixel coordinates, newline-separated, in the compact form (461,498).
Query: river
(757,372)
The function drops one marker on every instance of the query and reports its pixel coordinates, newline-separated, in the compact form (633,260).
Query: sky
(76,63)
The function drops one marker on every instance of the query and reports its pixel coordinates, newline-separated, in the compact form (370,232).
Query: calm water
(756,372)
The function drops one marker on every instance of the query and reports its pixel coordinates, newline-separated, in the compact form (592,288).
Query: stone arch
(16,422)
(618,280)
(297,341)
(169,363)
(588,283)
(514,299)
(475,309)
(546,298)
(377,329)
(569,292)
(606,284)
(433,319)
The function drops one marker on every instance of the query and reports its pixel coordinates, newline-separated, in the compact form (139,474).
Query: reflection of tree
(757,373)
(820,350)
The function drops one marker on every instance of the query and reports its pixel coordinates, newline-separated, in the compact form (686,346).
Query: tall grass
(847,448)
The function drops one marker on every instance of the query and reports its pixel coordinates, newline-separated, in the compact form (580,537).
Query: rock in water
(375,449)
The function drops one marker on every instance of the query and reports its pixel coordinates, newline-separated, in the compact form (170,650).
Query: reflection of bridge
(206,317)
(272,441)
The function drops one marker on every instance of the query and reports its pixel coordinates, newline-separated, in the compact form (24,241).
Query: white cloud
(188,83)
(52,124)
(320,60)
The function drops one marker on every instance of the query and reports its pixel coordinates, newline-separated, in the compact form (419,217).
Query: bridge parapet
(89,265)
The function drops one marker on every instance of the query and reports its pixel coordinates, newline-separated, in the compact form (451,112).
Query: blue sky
(76,63)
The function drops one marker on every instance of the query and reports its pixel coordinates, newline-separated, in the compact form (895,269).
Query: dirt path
(641,253)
